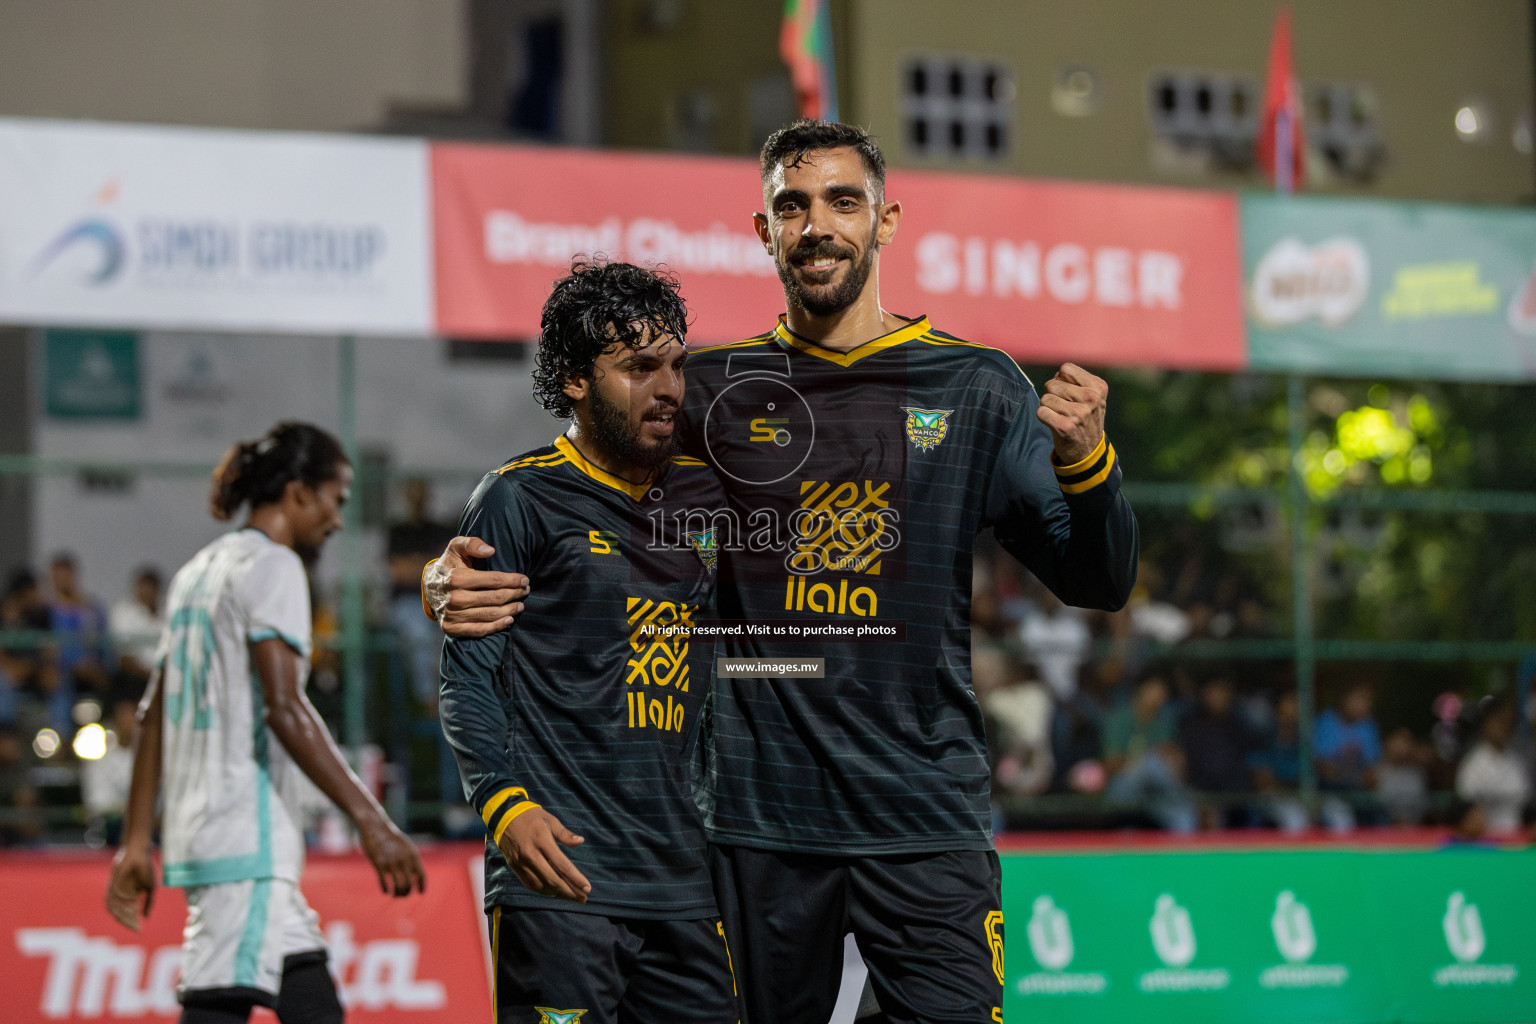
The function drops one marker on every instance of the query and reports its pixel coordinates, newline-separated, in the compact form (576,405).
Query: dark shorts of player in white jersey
(566,967)
(929,926)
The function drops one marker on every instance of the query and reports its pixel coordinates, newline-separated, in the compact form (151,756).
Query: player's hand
(394,857)
(133,875)
(1073,407)
(471,603)
(531,845)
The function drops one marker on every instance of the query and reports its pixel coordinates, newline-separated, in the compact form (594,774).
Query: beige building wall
(332,65)
(1423,59)
(688,74)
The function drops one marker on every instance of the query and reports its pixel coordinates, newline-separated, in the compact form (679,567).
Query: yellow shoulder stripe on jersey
(913,330)
(685,460)
(553,459)
(933,339)
(598,473)
(760,339)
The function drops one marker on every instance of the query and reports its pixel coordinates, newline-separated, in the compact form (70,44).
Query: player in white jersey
(226,731)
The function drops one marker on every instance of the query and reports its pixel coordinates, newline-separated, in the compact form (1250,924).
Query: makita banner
(1044,270)
(134,226)
(421,958)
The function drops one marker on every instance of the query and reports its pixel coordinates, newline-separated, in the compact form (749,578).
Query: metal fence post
(354,635)
(1304,644)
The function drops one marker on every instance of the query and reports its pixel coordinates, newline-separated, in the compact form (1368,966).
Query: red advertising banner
(1044,270)
(507,220)
(416,959)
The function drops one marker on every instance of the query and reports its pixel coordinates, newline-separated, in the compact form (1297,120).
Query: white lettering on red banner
(91,976)
(1066,272)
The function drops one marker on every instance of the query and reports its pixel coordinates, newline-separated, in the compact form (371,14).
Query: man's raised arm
(1055,501)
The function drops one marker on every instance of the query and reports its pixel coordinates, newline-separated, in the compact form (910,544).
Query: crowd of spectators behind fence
(67,662)
(1121,721)
(1095,720)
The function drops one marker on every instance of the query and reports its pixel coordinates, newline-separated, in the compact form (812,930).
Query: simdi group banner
(137,226)
(1044,270)
(1393,289)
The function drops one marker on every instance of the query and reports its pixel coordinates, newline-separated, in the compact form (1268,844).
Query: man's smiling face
(823,227)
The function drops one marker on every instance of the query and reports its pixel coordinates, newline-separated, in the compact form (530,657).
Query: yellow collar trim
(598,473)
(914,329)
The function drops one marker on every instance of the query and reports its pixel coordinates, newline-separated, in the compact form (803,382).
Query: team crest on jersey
(927,427)
(703,542)
(548,1016)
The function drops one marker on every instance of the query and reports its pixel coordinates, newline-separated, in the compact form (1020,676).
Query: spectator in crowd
(413,542)
(134,624)
(1347,743)
(1276,767)
(79,629)
(1493,778)
(1348,749)
(1075,744)
(1216,744)
(1402,780)
(1056,642)
(1143,760)
(26,665)
(20,822)
(104,781)
(1018,712)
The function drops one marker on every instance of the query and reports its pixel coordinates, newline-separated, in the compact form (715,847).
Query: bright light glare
(45,743)
(1467,121)
(91,742)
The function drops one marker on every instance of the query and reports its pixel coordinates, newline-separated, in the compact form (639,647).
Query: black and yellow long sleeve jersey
(579,708)
(858,482)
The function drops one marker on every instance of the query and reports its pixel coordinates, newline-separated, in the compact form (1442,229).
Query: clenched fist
(1073,407)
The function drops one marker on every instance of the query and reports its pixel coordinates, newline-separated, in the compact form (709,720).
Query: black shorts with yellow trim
(929,927)
(565,967)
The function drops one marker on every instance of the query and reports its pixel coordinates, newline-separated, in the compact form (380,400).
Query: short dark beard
(619,437)
(842,296)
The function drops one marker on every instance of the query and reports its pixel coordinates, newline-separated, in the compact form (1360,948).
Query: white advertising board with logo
(128,225)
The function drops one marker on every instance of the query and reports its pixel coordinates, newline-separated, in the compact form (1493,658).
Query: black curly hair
(789,145)
(600,303)
(255,473)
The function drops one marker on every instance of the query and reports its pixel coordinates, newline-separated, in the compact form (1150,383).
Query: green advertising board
(1342,937)
(91,374)
(1353,288)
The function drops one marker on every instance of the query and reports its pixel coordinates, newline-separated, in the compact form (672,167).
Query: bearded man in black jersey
(574,732)
(859,802)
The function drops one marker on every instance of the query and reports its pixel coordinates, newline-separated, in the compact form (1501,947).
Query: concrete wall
(329,65)
(694,74)
(1423,60)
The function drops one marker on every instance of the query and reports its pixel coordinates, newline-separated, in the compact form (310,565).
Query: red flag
(1280,139)
(805,46)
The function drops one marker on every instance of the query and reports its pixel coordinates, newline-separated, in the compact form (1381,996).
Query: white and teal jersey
(231,809)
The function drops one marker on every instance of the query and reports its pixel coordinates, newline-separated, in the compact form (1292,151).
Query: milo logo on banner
(1050,943)
(1173,940)
(1465,938)
(1296,939)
